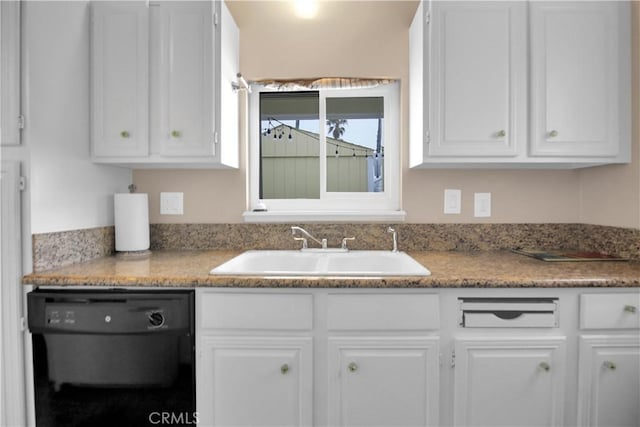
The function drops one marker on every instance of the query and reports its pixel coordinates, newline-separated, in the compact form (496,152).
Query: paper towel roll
(131,221)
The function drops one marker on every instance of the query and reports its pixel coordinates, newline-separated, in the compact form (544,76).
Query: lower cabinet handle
(284,369)
(352,367)
(544,366)
(609,365)
(176,133)
(630,308)
(124,134)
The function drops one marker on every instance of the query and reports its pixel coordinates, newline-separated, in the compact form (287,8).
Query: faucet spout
(294,229)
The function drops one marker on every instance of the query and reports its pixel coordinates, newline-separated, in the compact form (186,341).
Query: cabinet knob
(284,369)
(544,366)
(501,134)
(176,133)
(630,308)
(553,133)
(609,365)
(124,134)
(352,367)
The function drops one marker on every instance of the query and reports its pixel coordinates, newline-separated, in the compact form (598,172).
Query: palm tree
(337,127)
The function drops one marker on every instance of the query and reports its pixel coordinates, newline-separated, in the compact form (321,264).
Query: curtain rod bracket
(241,84)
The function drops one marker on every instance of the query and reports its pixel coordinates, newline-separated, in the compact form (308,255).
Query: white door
(383,381)
(574,78)
(609,381)
(477,78)
(12,386)
(185,31)
(10,73)
(120,83)
(509,382)
(253,381)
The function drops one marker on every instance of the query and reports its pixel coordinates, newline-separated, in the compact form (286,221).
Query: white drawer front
(255,311)
(524,320)
(610,311)
(383,312)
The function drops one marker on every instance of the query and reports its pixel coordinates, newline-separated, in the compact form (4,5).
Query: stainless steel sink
(322,262)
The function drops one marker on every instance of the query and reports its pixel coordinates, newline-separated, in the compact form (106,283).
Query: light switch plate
(171,203)
(482,205)
(452,201)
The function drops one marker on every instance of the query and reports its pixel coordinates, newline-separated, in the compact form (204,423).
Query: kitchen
(69,198)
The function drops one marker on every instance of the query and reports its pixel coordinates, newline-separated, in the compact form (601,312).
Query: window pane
(289,149)
(355,146)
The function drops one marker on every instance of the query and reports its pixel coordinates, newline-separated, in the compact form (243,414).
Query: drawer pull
(352,367)
(609,365)
(630,309)
(284,369)
(544,366)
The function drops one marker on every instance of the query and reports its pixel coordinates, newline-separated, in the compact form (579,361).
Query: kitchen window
(324,154)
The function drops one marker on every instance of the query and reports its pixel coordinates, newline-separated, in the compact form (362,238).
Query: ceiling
(334,14)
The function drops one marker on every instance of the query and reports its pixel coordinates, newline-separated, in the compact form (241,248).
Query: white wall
(67,191)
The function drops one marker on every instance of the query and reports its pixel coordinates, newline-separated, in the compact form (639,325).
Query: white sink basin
(321,263)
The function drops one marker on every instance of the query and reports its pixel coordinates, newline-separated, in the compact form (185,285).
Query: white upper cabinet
(478,78)
(510,84)
(10,118)
(120,70)
(161,72)
(579,54)
(184,35)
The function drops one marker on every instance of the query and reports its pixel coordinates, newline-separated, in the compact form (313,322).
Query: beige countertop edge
(189,269)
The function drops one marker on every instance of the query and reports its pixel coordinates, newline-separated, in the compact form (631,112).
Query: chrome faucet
(322,242)
(395,239)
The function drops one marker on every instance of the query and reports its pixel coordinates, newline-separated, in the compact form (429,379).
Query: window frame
(352,206)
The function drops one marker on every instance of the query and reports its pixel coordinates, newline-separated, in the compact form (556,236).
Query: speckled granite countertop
(448,269)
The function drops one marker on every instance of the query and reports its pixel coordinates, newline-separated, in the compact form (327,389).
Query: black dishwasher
(113,357)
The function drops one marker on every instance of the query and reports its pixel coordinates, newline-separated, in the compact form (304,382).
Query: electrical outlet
(452,201)
(482,205)
(171,203)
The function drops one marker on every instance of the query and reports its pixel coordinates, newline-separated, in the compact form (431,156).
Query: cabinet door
(383,381)
(509,382)
(185,34)
(119,65)
(250,381)
(477,78)
(609,381)
(10,73)
(575,78)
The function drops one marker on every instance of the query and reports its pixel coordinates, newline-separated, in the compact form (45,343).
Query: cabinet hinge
(427,17)
(428,137)
(215,19)
(20,121)
(23,325)
(453,358)
(22,183)
(215,137)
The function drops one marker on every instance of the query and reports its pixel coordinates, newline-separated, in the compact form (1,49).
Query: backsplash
(52,250)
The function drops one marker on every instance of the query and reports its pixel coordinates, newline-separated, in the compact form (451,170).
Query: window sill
(320,216)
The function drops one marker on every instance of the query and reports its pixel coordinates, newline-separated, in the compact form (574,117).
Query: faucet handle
(304,241)
(344,242)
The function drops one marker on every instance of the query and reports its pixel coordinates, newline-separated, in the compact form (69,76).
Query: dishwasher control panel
(508,312)
(121,313)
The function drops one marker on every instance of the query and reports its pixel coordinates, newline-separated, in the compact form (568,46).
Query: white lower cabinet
(609,380)
(609,360)
(381,357)
(254,381)
(384,381)
(509,382)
